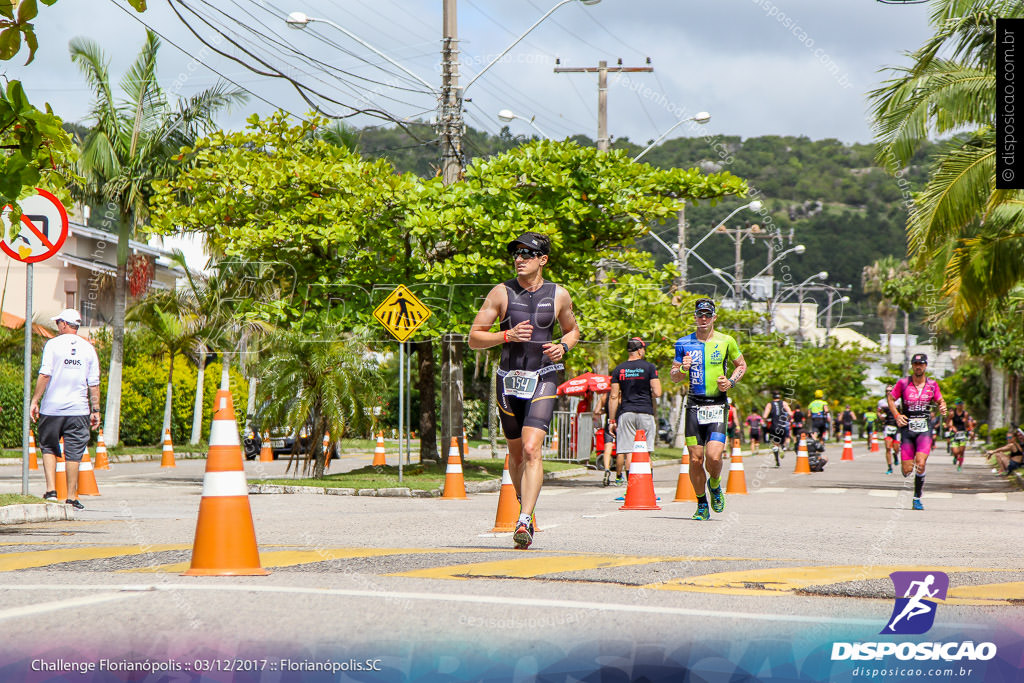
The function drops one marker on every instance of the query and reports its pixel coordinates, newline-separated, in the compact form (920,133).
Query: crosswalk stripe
(1001,497)
(884,493)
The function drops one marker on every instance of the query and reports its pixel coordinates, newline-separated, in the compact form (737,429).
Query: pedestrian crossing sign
(401,313)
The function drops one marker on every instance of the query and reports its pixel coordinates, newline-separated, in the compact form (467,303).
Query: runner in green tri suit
(702,359)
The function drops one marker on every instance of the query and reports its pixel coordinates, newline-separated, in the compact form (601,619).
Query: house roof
(13,322)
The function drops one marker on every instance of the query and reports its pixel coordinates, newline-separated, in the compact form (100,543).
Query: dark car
(281,445)
(665,431)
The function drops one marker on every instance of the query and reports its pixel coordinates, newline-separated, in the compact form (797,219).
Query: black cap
(776,394)
(531,240)
(704,305)
(919,358)
(635,344)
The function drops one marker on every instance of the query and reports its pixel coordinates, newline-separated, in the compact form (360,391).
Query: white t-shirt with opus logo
(72,365)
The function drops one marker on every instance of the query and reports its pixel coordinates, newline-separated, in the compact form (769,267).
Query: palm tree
(318,383)
(165,315)
(132,142)
(959,215)
(873,280)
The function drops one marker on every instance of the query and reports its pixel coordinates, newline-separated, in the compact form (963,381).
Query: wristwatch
(732,382)
(565,346)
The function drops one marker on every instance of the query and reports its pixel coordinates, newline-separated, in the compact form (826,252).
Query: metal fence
(575,437)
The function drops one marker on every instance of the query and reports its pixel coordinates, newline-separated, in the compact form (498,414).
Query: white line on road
(41,608)
(992,496)
(768,489)
(884,493)
(142,589)
(829,490)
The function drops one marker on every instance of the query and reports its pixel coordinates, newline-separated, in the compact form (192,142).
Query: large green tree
(131,142)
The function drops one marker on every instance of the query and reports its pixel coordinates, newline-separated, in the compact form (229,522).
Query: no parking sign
(42,231)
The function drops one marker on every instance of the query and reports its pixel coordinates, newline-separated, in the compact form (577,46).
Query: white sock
(524,519)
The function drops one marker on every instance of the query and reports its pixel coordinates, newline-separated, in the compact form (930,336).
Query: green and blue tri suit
(705,404)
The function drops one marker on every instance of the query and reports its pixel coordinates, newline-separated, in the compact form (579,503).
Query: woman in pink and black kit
(918,393)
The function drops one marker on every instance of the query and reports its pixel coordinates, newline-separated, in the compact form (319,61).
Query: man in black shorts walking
(526,308)
(70,378)
(778,414)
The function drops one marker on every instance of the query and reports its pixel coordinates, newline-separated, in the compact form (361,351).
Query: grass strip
(18,499)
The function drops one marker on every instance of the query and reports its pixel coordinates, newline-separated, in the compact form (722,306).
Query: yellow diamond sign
(401,313)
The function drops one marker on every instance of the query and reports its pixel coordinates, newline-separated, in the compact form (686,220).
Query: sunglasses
(703,314)
(524,253)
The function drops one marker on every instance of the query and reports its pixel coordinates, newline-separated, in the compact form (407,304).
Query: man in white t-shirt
(70,377)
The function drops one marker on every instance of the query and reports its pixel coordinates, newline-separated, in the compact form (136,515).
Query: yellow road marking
(290,558)
(41,558)
(786,580)
(987,594)
(529,567)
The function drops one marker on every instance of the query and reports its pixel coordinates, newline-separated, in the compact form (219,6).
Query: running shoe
(889,471)
(959,468)
(917,504)
(717,499)
(620,481)
(607,477)
(50,495)
(702,512)
(523,535)
(74,503)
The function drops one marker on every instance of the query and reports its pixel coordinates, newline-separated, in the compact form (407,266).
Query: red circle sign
(44,227)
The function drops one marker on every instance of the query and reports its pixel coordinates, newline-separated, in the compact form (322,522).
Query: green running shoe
(702,512)
(717,499)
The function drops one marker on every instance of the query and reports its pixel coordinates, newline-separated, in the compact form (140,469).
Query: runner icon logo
(914,612)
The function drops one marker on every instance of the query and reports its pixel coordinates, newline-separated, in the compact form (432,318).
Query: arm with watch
(740,369)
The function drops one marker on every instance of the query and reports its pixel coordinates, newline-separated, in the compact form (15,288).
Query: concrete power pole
(602,70)
(450,125)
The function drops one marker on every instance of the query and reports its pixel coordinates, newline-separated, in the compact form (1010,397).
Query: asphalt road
(412,588)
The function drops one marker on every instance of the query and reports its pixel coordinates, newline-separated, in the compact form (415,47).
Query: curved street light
(700,118)
(299,20)
(508,115)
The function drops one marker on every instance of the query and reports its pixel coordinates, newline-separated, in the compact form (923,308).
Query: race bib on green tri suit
(918,425)
(890,430)
(520,383)
(710,414)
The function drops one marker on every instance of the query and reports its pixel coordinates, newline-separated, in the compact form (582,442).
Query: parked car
(665,431)
(281,445)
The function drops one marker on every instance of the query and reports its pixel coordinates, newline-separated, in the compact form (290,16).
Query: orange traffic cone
(379,454)
(225,542)
(61,483)
(87,477)
(802,464)
(640,485)
(168,457)
(465,444)
(684,488)
(554,442)
(737,477)
(327,449)
(848,447)
(102,461)
(874,442)
(33,461)
(266,452)
(508,507)
(454,485)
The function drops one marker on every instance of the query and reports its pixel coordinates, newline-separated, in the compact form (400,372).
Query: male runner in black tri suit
(957,423)
(777,413)
(528,373)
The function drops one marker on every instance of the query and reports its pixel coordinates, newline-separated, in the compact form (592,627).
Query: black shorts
(74,429)
(797,429)
(516,413)
(755,434)
(778,434)
(819,425)
(701,434)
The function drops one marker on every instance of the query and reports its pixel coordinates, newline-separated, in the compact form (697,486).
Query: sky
(760,67)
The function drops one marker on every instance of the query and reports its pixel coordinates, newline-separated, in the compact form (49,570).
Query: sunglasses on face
(703,314)
(526,254)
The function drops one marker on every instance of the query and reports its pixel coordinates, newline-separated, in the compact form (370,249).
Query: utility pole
(602,70)
(450,129)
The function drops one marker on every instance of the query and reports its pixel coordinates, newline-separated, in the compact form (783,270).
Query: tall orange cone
(102,461)
(379,454)
(327,449)
(465,444)
(737,476)
(554,442)
(454,485)
(508,506)
(33,460)
(803,466)
(266,452)
(87,477)
(225,543)
(847,447)
(61,483)
(874,441)
(168,458)
(684,488)
(640,485)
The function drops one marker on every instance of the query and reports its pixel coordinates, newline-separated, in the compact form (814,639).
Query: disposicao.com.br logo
(914,614)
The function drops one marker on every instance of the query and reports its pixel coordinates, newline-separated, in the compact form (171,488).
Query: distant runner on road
(778,415)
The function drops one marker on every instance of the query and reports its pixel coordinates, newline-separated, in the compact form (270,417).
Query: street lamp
(299,20)
(507,115)
(798,249)
(700,118)
(524,34)
(679,253)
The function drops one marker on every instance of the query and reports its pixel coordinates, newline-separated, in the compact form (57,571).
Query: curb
(36,512)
